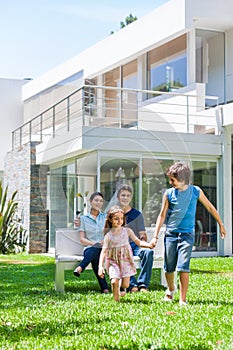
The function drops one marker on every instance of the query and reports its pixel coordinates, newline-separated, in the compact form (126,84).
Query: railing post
(41,127)
(53,121)
(13,140)
(68,113)
(121,107)
(83,105)
(20,137)
(30,131)
(187,113)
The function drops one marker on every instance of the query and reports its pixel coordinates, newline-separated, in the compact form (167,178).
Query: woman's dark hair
(180,171)
(93,195)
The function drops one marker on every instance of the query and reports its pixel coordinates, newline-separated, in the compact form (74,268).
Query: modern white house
(156,91)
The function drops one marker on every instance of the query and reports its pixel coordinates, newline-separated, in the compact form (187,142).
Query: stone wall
(30,180)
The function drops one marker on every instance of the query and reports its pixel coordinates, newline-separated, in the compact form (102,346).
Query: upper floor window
(167,66)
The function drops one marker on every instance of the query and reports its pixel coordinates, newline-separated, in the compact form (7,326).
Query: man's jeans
(146,258)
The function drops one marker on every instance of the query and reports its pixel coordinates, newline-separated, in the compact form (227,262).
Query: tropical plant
(13,236)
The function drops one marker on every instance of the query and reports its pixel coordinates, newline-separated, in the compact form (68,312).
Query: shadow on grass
(211,272)
(28,277)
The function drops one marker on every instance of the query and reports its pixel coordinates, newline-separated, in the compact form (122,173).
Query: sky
(37,35)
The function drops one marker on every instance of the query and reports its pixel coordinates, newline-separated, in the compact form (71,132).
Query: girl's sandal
(122,291)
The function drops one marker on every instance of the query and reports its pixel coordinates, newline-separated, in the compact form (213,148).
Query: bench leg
(163,280)
(59,278)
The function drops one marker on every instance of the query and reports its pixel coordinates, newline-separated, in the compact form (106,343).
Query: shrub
(13,236)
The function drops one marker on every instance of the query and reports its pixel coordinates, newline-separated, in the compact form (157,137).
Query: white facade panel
(11,112)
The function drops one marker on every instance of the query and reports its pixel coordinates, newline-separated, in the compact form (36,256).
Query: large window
(210,64)
(167,66)
(149,181)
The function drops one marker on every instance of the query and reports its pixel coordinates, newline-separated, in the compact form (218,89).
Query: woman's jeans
(146,258)
(92,255)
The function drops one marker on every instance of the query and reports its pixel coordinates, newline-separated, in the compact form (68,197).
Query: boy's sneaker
(183,303)
(169,294)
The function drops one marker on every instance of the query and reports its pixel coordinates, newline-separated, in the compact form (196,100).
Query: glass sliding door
(205,176)
(62,194)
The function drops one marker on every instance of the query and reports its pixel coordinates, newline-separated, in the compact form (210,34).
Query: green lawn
(34,316)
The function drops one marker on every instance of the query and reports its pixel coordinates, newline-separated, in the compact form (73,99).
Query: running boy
(179,210)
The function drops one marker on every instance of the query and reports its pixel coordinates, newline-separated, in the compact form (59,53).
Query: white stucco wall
(11,113)
(169,20)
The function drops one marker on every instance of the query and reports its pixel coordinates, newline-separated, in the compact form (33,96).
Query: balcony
(110,107)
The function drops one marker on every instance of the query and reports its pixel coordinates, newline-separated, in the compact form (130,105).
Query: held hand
(151,246)
(101,272)
(154,241)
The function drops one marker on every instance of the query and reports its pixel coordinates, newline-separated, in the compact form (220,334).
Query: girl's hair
(112,211)
(180,171)
(95,194)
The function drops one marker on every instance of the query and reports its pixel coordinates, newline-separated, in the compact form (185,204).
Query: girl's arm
(136,240)
(212,210)
(101,270)
(160,220)
(84,240)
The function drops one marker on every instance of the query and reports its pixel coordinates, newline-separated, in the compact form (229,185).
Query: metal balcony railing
(104,106)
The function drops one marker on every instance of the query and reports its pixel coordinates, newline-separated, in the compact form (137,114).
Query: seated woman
(91,235)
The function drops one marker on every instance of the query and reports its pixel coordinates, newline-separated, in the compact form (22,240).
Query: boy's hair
(95,194)
(180,171)
(113,210)
(124,187)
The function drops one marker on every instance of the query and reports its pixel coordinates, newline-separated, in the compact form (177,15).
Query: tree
(129,19)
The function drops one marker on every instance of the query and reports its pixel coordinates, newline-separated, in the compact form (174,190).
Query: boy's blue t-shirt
(182,209)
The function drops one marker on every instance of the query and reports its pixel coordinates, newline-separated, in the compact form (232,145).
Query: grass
(34,316)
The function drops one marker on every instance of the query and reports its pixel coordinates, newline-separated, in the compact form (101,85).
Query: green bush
(13,236)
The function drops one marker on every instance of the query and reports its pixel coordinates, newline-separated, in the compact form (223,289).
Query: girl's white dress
(119,255)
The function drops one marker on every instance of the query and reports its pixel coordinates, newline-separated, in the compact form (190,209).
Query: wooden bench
(69,252)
